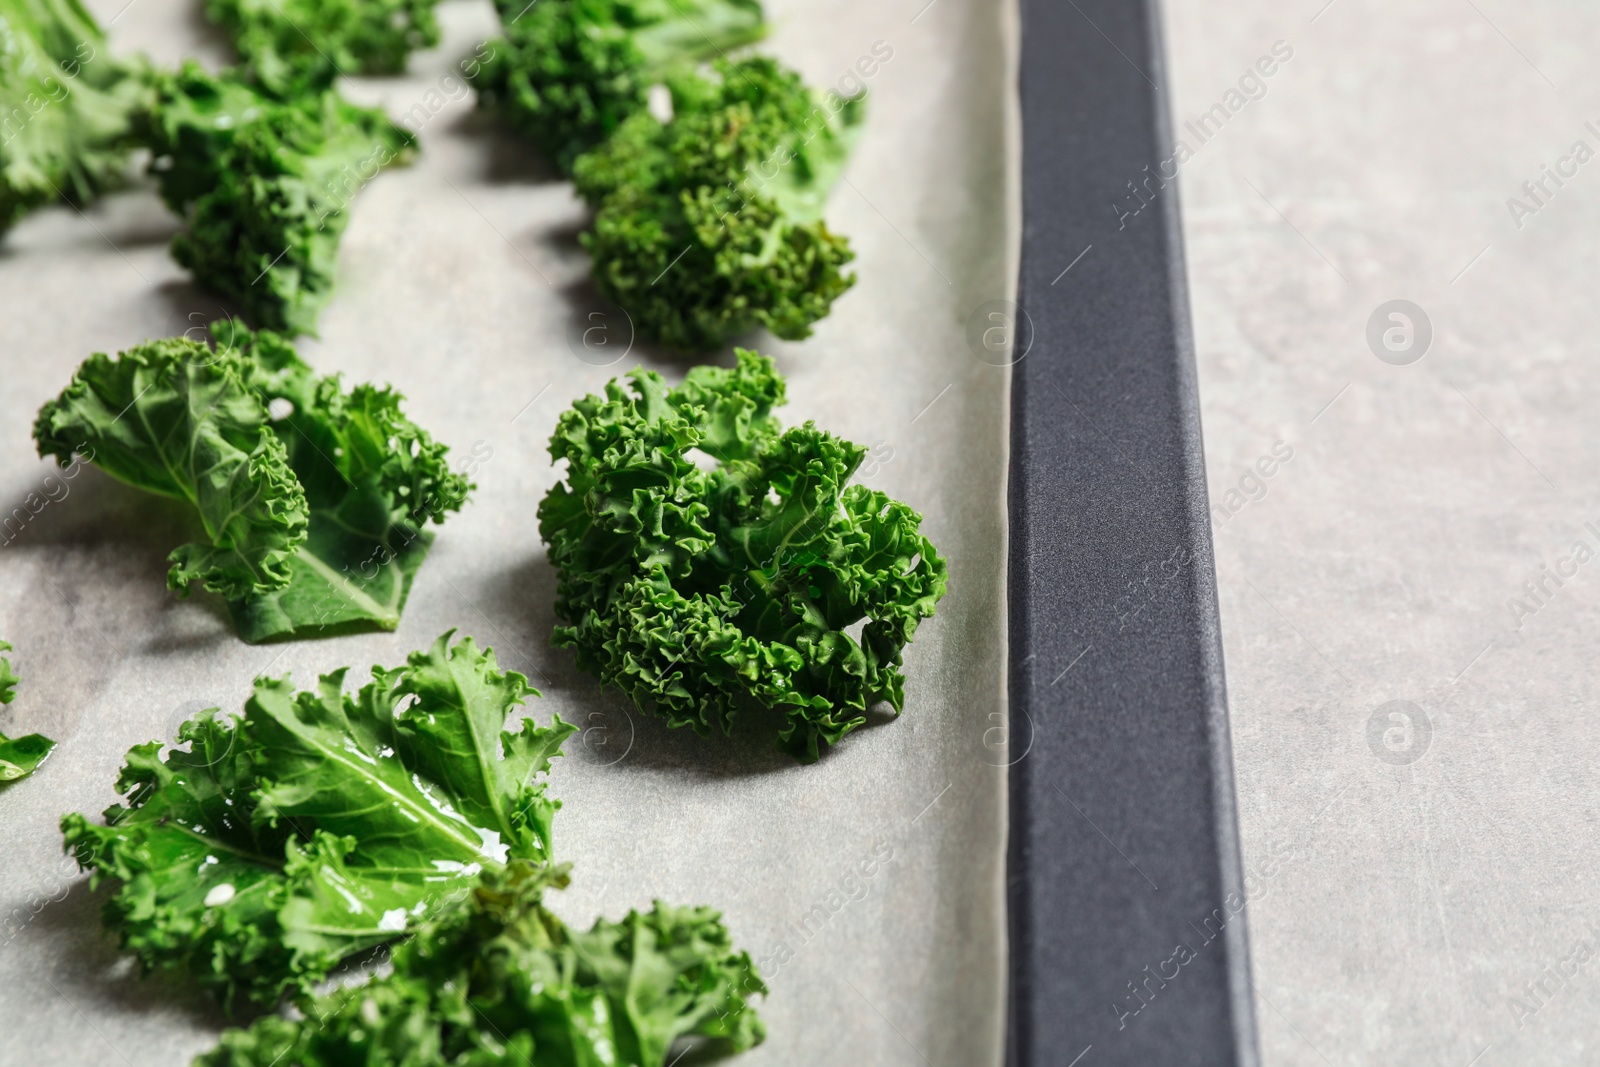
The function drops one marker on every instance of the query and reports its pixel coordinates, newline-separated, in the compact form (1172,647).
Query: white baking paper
(459,278)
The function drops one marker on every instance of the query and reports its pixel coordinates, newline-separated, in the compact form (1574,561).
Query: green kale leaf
(177,419)
(319,825)
(66,107)
(497,978)
(694,587)
(290,46)
(373,479)
(19,756)
(314,500)
(265,186)
(8,677)
(711,224)
(569,72)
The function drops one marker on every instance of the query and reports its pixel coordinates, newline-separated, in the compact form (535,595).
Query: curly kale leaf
(265,186)
(373,479)
(19,756)
(320,824)
(290,46)
(711,224)
(695,587)
(8,677)
(66,107)
(497,978)
(175,418)
(569,72)
(314,499)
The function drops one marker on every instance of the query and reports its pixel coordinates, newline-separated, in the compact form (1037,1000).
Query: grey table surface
(1423,881)
(458,278)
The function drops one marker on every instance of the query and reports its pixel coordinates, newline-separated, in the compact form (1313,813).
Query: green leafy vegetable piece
(711,224)
(265,186)
(290,46)
(319,824)
(569,72)
(695,587)
(21,756)
(66,107)
(497,978)
(315,517)
(8,677)
(175,418)
(373,479)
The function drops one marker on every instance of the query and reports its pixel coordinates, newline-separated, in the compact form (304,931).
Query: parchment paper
(458,279)
(1415,871)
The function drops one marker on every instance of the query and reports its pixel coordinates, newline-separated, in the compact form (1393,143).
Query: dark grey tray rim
(1106,453)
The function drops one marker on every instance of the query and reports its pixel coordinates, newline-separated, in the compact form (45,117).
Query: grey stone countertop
(1405,509)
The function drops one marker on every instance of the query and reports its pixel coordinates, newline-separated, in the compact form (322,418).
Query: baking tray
(1126,902)
(1114,757)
